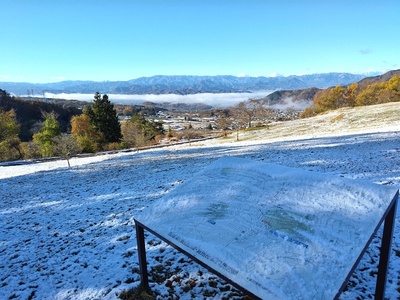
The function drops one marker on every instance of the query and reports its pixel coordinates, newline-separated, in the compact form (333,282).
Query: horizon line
(277,75)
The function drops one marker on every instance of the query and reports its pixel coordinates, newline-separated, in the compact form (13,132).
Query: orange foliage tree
(89,140)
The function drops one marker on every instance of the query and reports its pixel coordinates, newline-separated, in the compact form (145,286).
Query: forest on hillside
(30,113)
(365,92)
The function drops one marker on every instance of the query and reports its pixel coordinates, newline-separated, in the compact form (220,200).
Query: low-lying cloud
(288,103)
(221,100)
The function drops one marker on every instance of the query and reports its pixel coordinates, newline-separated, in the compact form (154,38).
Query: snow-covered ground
(68,233)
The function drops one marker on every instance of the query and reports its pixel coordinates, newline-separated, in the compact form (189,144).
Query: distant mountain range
(184,85)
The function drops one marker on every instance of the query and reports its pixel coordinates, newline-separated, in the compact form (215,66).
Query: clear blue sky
(55,40)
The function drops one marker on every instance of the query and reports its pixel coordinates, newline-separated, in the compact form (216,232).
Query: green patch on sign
(215,211)
(279,219)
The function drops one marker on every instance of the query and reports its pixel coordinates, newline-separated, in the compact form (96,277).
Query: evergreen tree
(103,117)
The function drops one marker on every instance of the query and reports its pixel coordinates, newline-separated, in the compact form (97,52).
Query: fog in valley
(289,103)
(221,100)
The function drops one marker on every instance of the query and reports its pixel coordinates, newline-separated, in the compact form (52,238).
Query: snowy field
(68,233)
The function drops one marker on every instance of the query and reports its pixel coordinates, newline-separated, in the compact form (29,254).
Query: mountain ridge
(184,84)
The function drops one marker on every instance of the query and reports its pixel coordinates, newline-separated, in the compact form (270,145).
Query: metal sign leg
(142,257)
(385,251)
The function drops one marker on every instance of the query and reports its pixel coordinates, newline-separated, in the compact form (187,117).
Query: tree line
(95,129)
(355,95)
(29,113)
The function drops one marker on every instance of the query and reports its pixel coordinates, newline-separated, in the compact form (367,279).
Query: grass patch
(138,293)
(254,128)
(337,118)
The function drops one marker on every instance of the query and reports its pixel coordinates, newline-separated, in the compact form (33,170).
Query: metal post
(142,256)
(385,250)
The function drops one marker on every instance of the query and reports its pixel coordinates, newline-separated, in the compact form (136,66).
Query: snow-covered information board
(278,232)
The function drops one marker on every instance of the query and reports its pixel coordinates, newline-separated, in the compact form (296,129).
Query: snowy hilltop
(68,233)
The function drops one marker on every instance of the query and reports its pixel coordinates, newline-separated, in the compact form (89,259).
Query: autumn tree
(369,95)
(224,123)
(88,139)
(138,131)
(30,150)
(9,140)
(392,89)
(65,146)
(104,119)
(329,99)
(308,112)
(44,138)
(170,133)
(245,112)
(380,92)
(350,95)
(394,83)
(127,110)
(132,134)
(223,120)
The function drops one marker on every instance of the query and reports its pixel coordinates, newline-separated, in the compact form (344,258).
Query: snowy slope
(68,233)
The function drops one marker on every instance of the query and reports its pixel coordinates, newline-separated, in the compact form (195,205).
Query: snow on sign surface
(278,232)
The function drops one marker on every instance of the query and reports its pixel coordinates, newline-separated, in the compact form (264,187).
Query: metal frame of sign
(388,218)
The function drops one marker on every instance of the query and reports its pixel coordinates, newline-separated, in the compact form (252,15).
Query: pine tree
(103,117)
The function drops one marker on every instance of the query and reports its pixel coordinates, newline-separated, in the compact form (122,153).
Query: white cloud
(216,100)
(289,103)
(274,74)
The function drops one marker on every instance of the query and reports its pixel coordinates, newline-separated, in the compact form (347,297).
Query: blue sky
(55,40)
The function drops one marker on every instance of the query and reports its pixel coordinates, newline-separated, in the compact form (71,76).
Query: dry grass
(364,119)
(137,294)
(337,118)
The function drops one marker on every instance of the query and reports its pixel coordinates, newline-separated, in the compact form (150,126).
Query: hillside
(308,94)
(295,96)
(380,78)
(344,121)
(68,233)
(29,113)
